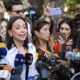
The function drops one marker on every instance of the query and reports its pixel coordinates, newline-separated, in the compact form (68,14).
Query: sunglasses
(18,11)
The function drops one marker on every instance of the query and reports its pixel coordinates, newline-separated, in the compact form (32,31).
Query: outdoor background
(68,7)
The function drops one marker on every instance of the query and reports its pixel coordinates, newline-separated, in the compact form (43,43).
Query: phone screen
(32,12)
(54,11)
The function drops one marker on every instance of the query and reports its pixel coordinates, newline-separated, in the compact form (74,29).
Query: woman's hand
(64,63)
(46,10)
(61,40)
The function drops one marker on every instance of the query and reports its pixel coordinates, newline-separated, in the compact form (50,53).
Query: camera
(46,66)
(32,13)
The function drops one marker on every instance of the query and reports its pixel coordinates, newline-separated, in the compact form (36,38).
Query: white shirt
(11,57)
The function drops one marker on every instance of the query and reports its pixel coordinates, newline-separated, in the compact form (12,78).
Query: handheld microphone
(28,58)
(19,60)
(5,73)
(16,73)
(7,67)
(57,48)
(3,50)
(43,54)
(72,56)
(28,61)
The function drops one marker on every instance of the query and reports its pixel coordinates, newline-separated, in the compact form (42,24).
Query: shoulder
(12,50)
(32,49)
(31,46)
(11,56)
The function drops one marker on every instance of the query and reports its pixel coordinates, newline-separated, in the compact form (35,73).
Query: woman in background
(3,26)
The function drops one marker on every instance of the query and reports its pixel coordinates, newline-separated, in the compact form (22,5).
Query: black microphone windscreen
(28,58)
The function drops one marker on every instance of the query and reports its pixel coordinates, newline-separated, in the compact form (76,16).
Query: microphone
(57,48)
(19,60)
(3,50)
(43,54)
(72,56)
(28,61)
(7,67)
(16,73)
(28,58)
(5,72)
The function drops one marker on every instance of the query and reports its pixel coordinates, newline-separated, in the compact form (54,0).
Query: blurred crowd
(40,37)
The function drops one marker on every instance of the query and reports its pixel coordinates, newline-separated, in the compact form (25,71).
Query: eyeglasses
(18,11)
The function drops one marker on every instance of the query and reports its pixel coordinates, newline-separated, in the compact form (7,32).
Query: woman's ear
(37,33)
(10,32)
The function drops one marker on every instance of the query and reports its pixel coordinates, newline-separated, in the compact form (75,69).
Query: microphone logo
(31,57)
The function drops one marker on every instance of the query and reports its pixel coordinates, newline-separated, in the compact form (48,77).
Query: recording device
(73,56)
(5,72)
(28,58)
(54,11)
(64,73)
(19,60)
(32,13)
(28,61)
(16,73)
(44,63)
(57,48)
(3,50)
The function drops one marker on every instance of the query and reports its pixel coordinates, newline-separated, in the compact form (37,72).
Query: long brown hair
(37,27)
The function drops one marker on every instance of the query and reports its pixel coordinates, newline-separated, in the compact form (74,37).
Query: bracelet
(43,17)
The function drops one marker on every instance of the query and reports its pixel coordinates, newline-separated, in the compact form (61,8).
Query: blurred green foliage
(69,2)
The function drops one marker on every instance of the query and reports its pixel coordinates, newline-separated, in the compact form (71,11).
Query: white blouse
(11,57)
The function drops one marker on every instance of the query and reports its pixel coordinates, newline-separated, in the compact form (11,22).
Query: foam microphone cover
(28,58)
(7,67)
(19,60)
(3,50)
(57,47)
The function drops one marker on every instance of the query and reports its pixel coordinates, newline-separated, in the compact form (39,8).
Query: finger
(60,38)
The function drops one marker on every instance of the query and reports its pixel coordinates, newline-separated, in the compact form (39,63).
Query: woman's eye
(17,28)
(45,29)
(25,27)
(67,29)
(61,28)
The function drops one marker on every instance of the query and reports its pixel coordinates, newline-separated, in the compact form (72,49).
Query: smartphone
(32,12)
(56,35)
(54,11)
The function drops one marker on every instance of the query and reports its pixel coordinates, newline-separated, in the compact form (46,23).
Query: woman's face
(3,27)
(65,29)
(44,33)
(18,31)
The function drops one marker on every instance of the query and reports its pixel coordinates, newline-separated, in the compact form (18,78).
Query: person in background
(17,44)
(15,8)
(3,26)
(2,9)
